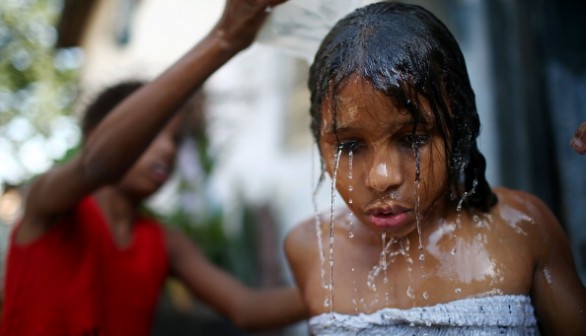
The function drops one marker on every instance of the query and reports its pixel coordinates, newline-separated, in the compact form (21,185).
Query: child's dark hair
(407,53)
(105,102)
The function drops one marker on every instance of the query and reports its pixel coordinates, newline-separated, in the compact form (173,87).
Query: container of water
(297,27)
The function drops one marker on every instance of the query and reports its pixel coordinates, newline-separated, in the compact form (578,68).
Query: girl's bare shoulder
(520,209)
(302,234)
(525,203)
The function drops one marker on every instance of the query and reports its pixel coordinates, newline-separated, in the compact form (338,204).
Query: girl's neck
(120,213)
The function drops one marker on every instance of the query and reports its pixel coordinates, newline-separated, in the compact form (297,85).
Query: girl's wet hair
(407,53)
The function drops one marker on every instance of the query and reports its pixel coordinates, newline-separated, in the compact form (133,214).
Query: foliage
(38,83)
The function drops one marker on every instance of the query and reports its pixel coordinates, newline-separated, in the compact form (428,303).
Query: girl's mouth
(390,221)
(160,172)
(389,217)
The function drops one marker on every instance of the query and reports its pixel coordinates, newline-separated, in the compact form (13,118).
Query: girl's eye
(416,140)
(348,146)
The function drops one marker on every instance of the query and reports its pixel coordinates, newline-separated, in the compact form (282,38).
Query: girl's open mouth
(388,217)
(389,221)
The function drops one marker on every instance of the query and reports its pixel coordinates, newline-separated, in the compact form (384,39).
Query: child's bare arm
(558,294)
(127,131)
(248,308)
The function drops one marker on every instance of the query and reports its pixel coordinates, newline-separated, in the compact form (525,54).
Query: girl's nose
(166,145)
(385,173)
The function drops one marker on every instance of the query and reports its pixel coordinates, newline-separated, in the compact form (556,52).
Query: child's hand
(579,139)
(241,20)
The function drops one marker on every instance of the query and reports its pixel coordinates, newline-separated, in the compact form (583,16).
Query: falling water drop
(318,230)
(466,195)
(350,159)
(350,188)
(332,228)
(410,292)
(350,225)
(417,194)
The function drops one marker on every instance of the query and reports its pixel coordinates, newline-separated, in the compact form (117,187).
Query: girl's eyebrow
(348,128)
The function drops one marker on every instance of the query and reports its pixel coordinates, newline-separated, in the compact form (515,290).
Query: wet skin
(378,137)
(516,248)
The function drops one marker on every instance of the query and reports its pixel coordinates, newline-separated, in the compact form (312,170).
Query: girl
(84,258)
(423,244)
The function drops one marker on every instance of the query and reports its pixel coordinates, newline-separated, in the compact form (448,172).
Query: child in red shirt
(84,259)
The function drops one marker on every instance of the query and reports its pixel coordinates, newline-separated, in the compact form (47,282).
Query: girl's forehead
(358,98)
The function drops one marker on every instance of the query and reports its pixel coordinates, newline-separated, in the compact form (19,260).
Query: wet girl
(423,245)
(84,258)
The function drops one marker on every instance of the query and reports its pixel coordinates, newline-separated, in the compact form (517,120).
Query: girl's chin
(395,232)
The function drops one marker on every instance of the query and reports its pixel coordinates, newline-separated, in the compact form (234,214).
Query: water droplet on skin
(350,201)
(425,296)
(410,293)
(326,302)
(458,290)
(453,252)
(350,159)
(547,274)
(350,188)
(422,257)
(350,224)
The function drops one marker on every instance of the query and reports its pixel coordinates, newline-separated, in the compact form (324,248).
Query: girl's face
(380,157)
(157,163)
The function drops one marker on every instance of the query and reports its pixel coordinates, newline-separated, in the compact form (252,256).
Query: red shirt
(74,280)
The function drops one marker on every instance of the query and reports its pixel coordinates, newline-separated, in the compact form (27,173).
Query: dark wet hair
(406,52)
(105,102)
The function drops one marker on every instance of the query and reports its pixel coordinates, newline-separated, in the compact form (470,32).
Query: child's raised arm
(115,144)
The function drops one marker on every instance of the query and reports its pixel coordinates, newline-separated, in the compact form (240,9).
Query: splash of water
(387,256)
(466,195)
